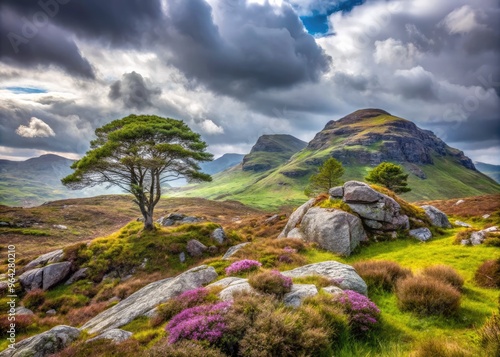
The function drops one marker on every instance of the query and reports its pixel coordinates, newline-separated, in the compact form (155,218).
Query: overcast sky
(236,69)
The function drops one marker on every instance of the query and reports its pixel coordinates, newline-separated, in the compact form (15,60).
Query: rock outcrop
(195,248)
(177,218)
(422,234)
(46,277)
(44,344)
(478,237)
(147,298)
(437,217)
(233,250)
(296,218)
(47,258)
(115,335)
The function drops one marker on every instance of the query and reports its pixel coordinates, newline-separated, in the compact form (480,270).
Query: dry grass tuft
(446,274)
(381,274)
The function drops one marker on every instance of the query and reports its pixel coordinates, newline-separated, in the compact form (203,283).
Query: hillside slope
(360,140)
(492,171)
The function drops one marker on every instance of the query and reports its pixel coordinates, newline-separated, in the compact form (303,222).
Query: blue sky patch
(26,90)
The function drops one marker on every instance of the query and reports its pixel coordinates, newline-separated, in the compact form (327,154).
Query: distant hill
(492,171)
(222,163)
(360,140)
(38,180)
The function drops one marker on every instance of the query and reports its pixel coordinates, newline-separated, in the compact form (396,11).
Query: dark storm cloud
(474,130)
(133,91)
(23,44)
(254,47)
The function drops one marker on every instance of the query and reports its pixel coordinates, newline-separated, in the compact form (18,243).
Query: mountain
(492,171)
(222,163)
(38,180)
(360,140)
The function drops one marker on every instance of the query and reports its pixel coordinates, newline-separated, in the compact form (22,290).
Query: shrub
(488,274)
(204,322)
(439,348)
(34,299)
(490,335)
(63,304)
(271,282)
(244,265)
(381,274)
(363,314)
(101,348)
(463,235)
(446,274)
(427,296)
(184,349)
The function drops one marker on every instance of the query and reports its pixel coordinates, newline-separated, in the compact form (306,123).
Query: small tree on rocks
(389,175)
(328,176)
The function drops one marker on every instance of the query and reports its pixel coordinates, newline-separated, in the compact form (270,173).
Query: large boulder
(46,277)
(146,299)
(296,218)
(343,275)
(422,234)
(437,217)
(47,258)
(332,229)
(359,192)
(218,235)
(44,344)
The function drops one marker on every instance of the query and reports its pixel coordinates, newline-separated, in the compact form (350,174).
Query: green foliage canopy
(138,153)
(328,176)
(389,175)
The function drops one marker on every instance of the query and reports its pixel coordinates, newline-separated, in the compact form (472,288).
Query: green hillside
(360,141)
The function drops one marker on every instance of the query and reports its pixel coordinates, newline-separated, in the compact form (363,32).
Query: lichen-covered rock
(422,234)
(233,250)
(296,218)
(359,192)
(334,230)
(44,344)
(298,293)
(336,192)
(32,279)
(195,248)
(437,217)
(219,235)
(47,258)
(78,275)
(344,275)
(55,273)
(115,335)
(147,298)
(236,286)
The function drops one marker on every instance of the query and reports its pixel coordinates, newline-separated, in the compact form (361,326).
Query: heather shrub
(199,323)
(427,296)
(446,274)
(184,349)
(296,244)
(381,274)
(241,266)
(34,299)
(439,348)
(488,274)
(77,317)
(271,282)
(63,304)
(101,348)
(362,313)
(490,335)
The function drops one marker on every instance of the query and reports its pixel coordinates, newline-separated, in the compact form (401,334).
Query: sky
(234,70)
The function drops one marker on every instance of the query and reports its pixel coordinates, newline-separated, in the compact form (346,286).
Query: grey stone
(4,224)
(195,248)
(219,235)
(147,298)
(236,286)
(334,290)
(462,224)
(459,202)
(336,192)
(60,226)
(486,216)
(47,258)
(21,310)
(32,279)
(182,257)
(334,230)
(54,274)
(359,192)
(78,275)
(44,344)
(296,218)
(115,335)
(437,217)
(422,234)
(298,293)
(295,233)
(477,238)
(233,250)
(225,282)
(51,312)
(345,275)
(273,219)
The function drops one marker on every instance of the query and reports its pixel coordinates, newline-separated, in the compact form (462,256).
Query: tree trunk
(148,222)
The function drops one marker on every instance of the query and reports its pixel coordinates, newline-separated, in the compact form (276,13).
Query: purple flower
(362,312)
(205,322)
(241,266)
(193,297)
(289,250)
(286,281)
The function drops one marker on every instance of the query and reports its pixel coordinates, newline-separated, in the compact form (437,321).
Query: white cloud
(210,128)
(395,53)
(461,20)
(36,128)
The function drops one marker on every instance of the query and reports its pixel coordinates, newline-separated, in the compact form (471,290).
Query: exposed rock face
(296,218)
(176,218)
(115,335)
(344,275)
(422,234)
(46,277)
(195,248)
(44,344)
(78,275)
(218,235)
(233,250)
(477,238)
(298,293)
(47,258)
(437,218)
(333,230)
(147,298)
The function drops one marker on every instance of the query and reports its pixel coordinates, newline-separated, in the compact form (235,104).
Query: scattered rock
(344,275)
(21,310)
(298,293)
(44,344)
(422,234)
(182,257)
(462,224)
(219,235)
(437,217)
(60,226)
(115,335)
(147,298)
(334,230)
(477,238)
(233,287)
(336,192)
(54,274)
(233,250)
(174,218)
(296,218)
(486,216)
(51,312)
(47,258)
(273,219)
(459,202)
(32,279)
(4,224)
(78,275)
(332,290)
(195,248)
